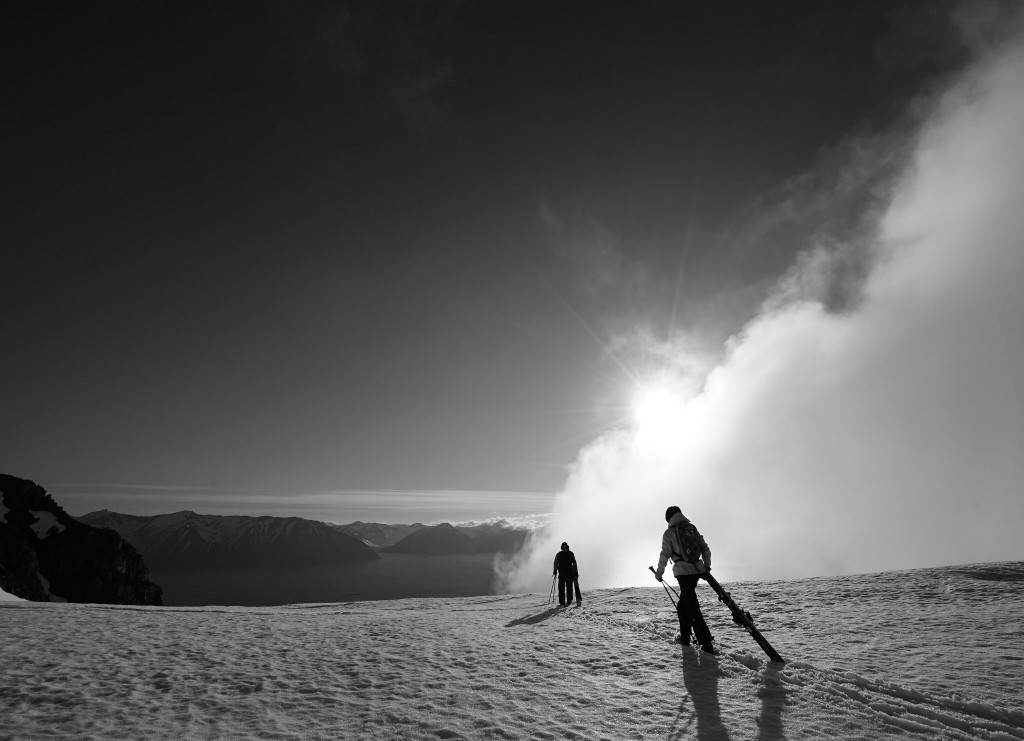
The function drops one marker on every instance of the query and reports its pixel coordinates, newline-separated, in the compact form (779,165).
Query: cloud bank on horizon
(518,509)
(880,432)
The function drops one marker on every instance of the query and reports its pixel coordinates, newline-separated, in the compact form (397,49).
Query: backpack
(690,541)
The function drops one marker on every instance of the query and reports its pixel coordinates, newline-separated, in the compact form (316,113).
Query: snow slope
(6,597)
(929,654)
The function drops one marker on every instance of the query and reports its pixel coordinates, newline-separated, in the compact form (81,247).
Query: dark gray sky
(274,248)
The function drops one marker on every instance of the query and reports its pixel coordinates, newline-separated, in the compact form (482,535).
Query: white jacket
(672,548)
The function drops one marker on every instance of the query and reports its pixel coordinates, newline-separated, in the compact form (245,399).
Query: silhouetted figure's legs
(690,616)
(564,589)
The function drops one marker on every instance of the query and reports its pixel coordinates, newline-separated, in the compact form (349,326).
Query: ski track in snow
(861,664)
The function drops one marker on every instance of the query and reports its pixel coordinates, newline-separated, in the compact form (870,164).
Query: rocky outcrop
(47,555)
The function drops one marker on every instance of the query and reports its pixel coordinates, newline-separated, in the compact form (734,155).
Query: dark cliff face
(47,555)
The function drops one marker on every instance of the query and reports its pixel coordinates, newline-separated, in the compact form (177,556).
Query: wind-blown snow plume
(888,435)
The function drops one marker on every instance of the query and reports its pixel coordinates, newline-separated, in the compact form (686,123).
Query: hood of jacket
(678,519)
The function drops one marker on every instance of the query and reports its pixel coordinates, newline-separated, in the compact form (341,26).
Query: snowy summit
(927,654)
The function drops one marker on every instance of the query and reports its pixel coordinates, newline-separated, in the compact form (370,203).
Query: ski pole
(551,594)
(666,586)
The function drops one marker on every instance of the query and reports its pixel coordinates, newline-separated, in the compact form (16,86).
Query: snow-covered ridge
(929,654)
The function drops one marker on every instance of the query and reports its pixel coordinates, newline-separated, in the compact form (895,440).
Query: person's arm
(575,569)
(554,566)
(705,553)
(666,551)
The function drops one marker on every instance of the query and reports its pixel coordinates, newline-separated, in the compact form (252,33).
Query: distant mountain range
(495,537)
(47,555)
(440,540)
(377,534)
(107,557)
(444,539)
(186,540)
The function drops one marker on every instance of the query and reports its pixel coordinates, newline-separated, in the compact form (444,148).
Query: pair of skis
(739,616)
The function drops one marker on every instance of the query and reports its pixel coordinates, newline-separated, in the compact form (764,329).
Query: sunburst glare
(657,412)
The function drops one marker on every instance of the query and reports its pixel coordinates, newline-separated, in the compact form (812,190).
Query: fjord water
(394,576)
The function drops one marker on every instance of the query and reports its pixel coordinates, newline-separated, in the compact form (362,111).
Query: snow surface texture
(929,654)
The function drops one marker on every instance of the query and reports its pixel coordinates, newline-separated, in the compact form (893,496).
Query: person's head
(565,546)
(671,512)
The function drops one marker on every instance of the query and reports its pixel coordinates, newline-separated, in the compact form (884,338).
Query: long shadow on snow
(534,619)
(773,702)
(700,675)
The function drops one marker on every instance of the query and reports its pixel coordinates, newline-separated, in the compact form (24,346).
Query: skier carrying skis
(691,558)
(568,576)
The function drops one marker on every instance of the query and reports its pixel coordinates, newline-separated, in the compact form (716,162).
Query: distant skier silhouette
(568,576)
(691,558)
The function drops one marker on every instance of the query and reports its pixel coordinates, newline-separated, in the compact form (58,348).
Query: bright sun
(657,410)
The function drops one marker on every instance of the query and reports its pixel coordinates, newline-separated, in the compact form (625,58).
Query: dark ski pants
(565,582)
(690,615)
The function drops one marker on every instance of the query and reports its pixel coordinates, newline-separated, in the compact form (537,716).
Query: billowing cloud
(881,433)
